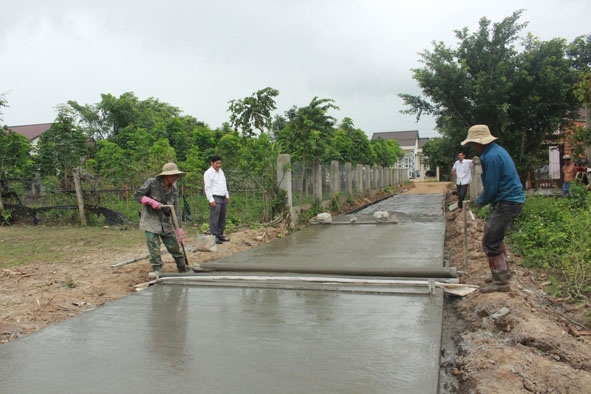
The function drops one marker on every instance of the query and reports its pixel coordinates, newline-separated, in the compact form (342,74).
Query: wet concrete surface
(173,339)
(415,243)
(294,336)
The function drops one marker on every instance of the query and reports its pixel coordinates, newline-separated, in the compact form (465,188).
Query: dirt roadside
(517,342)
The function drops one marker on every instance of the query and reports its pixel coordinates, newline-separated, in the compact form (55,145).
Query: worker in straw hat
(156,220)
(503,189)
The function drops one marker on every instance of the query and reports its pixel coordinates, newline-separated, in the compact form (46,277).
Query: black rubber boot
(181,264)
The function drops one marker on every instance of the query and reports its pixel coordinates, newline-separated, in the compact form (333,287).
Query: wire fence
(43,201)
(255,198)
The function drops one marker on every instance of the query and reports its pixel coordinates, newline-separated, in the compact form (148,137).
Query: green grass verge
(24,244)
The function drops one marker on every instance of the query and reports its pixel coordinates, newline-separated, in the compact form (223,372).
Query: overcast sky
(197,55)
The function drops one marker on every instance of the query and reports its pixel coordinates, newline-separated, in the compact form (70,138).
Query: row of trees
(125,139)
(523,88)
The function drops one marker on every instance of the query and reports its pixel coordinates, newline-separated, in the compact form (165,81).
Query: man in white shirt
(217,194)
(462,169)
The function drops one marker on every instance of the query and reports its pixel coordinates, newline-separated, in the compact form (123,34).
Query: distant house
(32,131)
(551,175)
(412,145)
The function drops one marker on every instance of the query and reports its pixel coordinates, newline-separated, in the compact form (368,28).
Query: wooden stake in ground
(465,240)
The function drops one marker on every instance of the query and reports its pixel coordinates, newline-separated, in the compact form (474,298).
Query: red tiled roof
(31,131)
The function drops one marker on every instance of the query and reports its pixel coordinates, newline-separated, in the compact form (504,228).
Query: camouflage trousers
(171,244)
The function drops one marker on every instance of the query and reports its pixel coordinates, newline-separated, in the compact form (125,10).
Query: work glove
(150,201)
(180,235)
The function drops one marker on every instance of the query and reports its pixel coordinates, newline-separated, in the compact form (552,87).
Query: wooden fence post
(79,195)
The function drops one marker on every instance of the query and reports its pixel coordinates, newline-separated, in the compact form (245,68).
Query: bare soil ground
(517,342)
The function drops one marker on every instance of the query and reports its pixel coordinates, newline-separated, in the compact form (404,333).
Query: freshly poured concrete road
(414,244)
(247,333)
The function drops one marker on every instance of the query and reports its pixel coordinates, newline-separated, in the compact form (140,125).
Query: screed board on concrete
(189,339)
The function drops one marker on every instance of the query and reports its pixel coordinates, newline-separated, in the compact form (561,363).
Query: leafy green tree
(15,158)
(442,153)
(308,134)
(279,123)
(229,148)
(258,160)
(533,118)
(387,152)
(195,165)
(61,148)
(580,54)
(180,132)
(135,142)
(523,97)
(206,140)
(159,153)
(111,161)
(112,115)
(351,144)
(254,112)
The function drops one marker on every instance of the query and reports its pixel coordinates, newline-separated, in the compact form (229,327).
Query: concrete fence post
(284,176)
(359,179)
(349,178)
(317,181)
(335,178)
(376,178)
(390,183)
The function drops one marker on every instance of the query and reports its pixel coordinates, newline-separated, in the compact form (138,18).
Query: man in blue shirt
(503,189)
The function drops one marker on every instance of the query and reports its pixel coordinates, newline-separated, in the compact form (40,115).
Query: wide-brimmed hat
(171,169)
(479,134)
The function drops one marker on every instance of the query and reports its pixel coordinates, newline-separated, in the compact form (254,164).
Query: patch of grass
(23,244)
(553,236)
(69,283)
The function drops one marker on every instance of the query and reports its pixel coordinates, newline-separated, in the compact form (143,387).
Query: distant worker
(503,189)
(218,196)
(156,220)
(569,171)
(462,170)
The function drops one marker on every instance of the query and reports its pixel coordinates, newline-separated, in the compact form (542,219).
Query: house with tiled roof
(32,131)
(412,145)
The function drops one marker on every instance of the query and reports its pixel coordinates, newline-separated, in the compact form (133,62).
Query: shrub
(553,236)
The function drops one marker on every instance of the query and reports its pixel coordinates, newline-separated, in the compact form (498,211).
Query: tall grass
(553,236)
